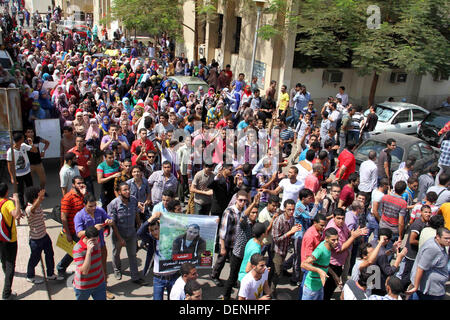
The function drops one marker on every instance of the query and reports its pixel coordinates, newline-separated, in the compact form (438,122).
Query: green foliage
(152,16)
(413,35)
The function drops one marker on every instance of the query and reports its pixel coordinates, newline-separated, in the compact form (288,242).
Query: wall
(40,5)
(421,90)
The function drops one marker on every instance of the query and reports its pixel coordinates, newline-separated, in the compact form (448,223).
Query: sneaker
(110,296)
(58,277)
(118,275)
(12,296)
(35,281)
(140,282)
(217,282)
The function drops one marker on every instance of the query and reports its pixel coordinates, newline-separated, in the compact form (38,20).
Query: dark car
(407,146)
(428,129)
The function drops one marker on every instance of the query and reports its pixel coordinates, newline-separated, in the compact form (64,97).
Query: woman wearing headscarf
(179,70)
(65,117)
(154,67)
(93,136)
(79,125)
(104,129)
(71,91)
(185,90)
(170,70)
(46,103)
(127,105)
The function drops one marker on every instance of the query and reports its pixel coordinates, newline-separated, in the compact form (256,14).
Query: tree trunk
(373,88)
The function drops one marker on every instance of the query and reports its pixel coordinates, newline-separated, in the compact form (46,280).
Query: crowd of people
(276,168)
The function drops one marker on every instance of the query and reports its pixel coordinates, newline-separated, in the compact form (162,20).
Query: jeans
(130,244)
(67,259)
(309,294)
(293,118)
(159,283)
(97,293)
(8,254)
(418,295)
(294,260)
(276,270)
(267,248)
(300,289)
(372,225)
(37,246)
(342,141)
(353,136)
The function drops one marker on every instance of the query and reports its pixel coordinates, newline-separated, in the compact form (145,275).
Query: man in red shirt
(143,141)
(348,191)
(84,160)
(311,239)
(346,163)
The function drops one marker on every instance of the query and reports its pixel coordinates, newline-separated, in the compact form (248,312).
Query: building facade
(228,37)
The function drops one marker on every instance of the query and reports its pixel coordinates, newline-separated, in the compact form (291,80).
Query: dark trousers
(8,254)
(89,185)
(235,265)
(37,246)
(406,274)
(330,284)
(203,209)
(67,259)
(22,182)
(183,189)
(220,263)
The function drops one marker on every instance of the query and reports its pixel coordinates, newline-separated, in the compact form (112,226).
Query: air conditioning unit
(332,76)
(398,76)
(202,50)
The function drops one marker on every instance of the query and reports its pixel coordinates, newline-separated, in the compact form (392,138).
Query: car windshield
(377,146)
(384,113)
(436,120)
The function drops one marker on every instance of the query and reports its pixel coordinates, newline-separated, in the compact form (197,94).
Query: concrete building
(76,10)
(228,38)
(40,5)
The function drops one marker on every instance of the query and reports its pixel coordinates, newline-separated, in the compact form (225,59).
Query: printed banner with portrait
(187,238)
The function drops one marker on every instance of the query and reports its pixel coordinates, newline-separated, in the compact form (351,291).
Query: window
(403,116)
(427,151)
(418,115)
(237,35)
(377,146)
(220,31)
(415,151)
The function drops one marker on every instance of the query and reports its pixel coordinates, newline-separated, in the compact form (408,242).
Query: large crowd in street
(276,168)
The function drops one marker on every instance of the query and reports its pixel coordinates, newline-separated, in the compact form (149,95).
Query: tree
(152,16)
(412,35)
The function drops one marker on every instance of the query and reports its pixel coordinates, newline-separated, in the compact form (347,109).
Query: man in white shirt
(290,187)
(403,174)
(341,94)
(255,282)
(188,272)
(368,175)
(68,171)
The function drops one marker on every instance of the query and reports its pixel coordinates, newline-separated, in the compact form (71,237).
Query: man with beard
(71,203)
(123,210)
(68,171)
(84,160)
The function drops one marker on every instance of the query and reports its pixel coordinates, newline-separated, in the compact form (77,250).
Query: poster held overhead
(187,238)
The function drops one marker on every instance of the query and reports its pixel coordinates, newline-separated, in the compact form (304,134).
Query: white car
(400,117)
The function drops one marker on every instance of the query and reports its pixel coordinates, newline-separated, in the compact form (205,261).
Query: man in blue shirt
(301,100)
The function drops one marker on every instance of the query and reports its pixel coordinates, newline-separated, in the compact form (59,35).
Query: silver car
(400,117)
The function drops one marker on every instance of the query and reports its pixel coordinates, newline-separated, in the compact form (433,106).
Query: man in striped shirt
(282,231)
(393,211)
(39,238)
(89,279)
(71,203)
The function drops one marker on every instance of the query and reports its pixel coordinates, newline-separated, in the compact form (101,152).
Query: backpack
(5,230)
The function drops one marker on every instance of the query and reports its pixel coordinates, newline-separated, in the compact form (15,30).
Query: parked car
(5,60)
(429,128)
(400,117)
(192,82)
(407,146)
